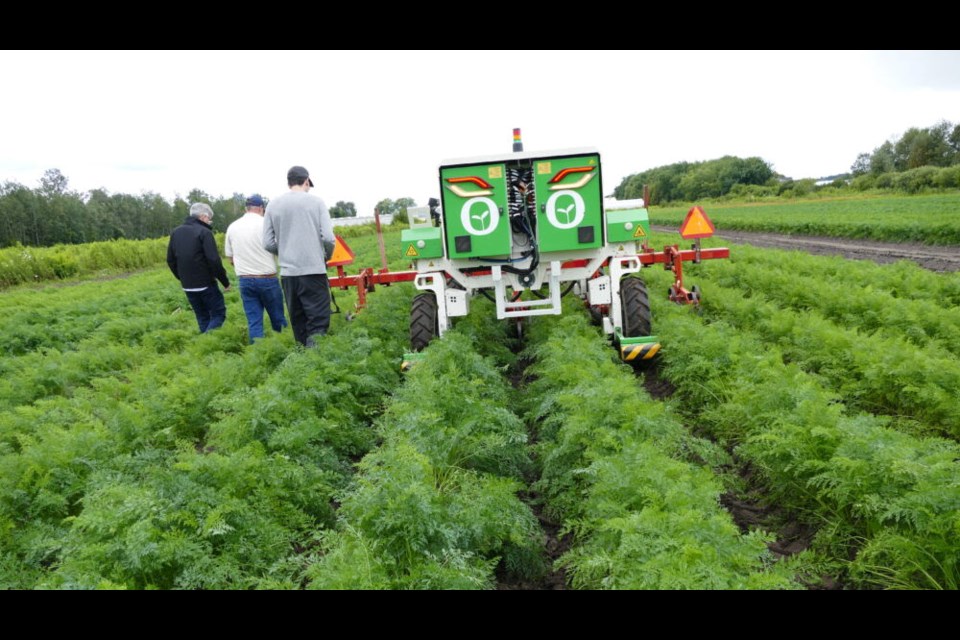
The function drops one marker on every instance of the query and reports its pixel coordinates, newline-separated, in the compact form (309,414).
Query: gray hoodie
(297,227)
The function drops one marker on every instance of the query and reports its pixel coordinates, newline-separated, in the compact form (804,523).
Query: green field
(929,219)
(136,453)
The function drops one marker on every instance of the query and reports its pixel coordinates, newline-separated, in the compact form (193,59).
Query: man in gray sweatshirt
(297,227)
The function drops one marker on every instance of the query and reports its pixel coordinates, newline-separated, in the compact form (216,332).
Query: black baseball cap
(297,174)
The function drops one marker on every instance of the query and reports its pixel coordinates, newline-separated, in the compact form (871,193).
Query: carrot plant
(618,470)
(889,497)
(929,219)
(170,472)
(797,282)
(436,506)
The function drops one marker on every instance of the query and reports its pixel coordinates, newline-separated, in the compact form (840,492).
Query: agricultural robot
(525,229)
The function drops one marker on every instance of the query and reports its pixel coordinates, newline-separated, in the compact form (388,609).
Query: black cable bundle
(520,200)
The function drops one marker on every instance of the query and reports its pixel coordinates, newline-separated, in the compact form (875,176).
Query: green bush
(947,177)
(915,180)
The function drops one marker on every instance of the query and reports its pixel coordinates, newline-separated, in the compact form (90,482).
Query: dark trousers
(209,307)
(308,302)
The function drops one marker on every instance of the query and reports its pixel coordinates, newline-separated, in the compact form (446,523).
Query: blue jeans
(259,295)
(209,307)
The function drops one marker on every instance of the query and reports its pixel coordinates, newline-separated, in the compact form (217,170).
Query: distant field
(20,265)
(933,219)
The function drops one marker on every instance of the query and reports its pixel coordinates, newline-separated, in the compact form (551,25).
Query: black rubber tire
(423,321)
(635,308)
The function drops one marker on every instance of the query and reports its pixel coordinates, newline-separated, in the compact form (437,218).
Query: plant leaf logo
(482,223)
(482,219)
(569,216)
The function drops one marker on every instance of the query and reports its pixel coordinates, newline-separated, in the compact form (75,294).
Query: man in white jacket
(256,269)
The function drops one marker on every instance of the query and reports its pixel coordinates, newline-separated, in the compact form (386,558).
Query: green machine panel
(627,225)
(422,242)
(569,203)
(475,211)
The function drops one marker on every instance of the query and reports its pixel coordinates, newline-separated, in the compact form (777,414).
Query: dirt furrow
(928,257)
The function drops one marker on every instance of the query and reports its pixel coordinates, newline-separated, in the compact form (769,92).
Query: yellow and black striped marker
(410,359)
(643,351)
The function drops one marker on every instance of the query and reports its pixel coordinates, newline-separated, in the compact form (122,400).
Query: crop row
(59,338)
(881,373)
(901,280)
(436,505)
(928,219)
(618,470)
(890,496)
(24,265)
(847,302)
(206,469)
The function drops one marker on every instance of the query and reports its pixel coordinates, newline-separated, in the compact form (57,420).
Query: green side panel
(422,242)
(476,225)
(623,225)
(568,216)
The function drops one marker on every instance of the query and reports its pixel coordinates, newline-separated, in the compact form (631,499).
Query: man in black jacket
(193,258)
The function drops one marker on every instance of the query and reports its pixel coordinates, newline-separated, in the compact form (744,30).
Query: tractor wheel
(635,308)
(423,321)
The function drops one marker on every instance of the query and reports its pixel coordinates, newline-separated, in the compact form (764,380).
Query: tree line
(936,146)
(696,180)
(920,159)
(55,214)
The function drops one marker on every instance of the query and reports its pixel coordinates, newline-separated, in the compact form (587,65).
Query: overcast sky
(372,125)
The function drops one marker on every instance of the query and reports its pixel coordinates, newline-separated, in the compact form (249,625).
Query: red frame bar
(671,258)
(670,254)
(367,281)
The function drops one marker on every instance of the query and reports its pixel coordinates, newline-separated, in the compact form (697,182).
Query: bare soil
(752,509)
(929,257)
(555,545)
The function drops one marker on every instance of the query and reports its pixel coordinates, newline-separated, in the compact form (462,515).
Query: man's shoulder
(295,199)
(237,224)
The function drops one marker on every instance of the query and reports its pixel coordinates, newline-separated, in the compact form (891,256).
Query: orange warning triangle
(341,254)
(639,232)
(696,225)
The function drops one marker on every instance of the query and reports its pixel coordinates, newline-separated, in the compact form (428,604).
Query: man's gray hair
(198,209)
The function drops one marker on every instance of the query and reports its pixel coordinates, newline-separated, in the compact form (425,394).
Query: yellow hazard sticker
(430,264)
(412,252)
(543,168)
(495,172)
(639,232)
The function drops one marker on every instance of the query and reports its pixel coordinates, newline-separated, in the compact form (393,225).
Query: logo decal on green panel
(483,222)
(565,209)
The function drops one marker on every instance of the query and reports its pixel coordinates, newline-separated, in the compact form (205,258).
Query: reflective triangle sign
(696,225)
(341,254)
